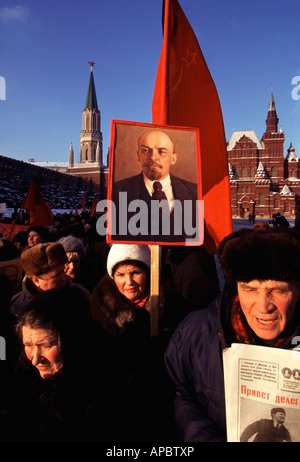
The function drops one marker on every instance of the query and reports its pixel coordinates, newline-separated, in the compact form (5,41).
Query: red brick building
(262,179)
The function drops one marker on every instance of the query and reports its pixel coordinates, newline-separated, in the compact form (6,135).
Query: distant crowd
(81,362)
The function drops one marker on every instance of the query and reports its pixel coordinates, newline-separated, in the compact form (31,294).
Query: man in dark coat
(279,220)
(259,305)
(43,265)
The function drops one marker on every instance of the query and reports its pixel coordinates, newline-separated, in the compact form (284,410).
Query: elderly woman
(60,391)
(78,267)
(120,298)
(37,234)
(120,303)
(74,249)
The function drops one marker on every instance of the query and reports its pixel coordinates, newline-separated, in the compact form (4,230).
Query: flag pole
(15,220)
(155,249)
(154,289)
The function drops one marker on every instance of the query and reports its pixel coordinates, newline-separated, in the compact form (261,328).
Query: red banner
(9,230)
(185,95)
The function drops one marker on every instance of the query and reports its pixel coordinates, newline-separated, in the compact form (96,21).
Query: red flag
(9,230)
(39,211)
(185,95)
(83,203)
(94,205)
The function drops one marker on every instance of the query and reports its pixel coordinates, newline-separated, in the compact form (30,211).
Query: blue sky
(45,46)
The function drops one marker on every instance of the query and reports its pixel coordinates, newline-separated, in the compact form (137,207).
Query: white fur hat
(121,252)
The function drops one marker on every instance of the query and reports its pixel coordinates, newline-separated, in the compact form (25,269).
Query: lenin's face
(156,154)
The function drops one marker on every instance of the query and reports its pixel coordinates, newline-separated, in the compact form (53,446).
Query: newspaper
(259,380)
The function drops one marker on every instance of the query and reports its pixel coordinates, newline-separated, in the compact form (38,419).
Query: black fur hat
(250,254)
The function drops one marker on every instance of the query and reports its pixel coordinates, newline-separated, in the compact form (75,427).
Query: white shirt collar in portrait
(166,187)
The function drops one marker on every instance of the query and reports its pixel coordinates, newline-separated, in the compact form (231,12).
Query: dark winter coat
(116,314)
(265,432)
(77,405)
(29,290)
(51,410)
(146,413)
(193,361)
(193,275)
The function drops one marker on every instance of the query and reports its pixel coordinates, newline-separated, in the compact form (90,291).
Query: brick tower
(273,140)
(91,136)
(261,179)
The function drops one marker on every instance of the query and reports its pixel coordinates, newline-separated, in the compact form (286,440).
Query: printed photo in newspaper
(262,392)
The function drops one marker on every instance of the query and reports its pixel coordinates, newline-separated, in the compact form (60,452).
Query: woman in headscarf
(60,391)
(120,300)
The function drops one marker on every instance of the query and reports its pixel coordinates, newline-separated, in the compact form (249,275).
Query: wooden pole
(15,220)
(154,289)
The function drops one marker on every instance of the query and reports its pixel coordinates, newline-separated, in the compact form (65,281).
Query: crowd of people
(81,363)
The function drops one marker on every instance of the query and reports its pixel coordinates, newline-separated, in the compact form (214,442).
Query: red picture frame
(124,164)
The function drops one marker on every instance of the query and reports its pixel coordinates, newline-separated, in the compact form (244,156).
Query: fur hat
(277,409)
(250,254)
(40,258)
(119,253)
(72,244)
(42,231)
(261,225)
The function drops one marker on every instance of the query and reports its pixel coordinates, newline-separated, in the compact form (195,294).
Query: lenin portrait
(154,187)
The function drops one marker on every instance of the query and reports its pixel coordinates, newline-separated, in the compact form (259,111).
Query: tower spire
(272,119)
(91,136)
(91,99)
(272,102)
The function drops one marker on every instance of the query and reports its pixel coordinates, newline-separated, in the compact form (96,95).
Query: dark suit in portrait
(182,191)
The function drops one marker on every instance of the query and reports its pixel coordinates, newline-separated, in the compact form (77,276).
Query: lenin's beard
(152,170)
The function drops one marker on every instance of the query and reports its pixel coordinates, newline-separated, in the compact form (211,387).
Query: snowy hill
(61,190)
